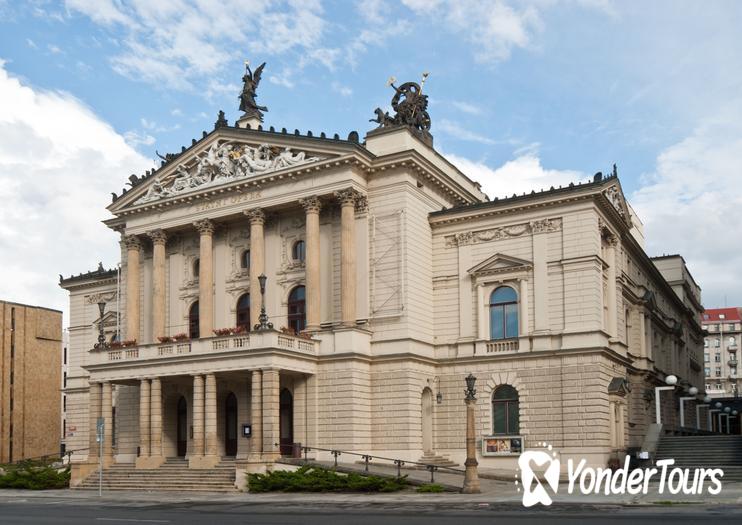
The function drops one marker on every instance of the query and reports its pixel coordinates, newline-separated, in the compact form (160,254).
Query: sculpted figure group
(222,163)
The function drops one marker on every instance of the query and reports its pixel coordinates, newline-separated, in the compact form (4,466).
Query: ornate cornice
(311,204)
(157,236)
(204,226)
(503,232)
(256,215)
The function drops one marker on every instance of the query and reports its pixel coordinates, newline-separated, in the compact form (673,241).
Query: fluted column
(312,207)
(198,415)
(210,408)
(611,299)
(271,413)
(107,413)
(144,415)
(205,278)
(156,418)
(257,261)
(159,238)
(348,256)
(133,257)
(256,413)
(94,412)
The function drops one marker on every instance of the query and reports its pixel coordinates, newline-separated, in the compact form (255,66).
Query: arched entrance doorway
(230,425)
(286,422)
(182,429)
(427,421)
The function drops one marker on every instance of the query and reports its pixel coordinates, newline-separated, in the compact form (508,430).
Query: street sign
(100,430)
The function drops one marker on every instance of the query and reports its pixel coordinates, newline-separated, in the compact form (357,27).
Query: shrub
(34,476)
(430,487)
(316,479)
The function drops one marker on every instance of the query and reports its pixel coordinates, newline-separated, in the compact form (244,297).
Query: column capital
(311,204)
(347,197)
(132,242)
(256,215)
(158,236)
(204,226)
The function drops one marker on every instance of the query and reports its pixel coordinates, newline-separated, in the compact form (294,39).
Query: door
(286,422)
(182,427)
(230,422)
(427,421)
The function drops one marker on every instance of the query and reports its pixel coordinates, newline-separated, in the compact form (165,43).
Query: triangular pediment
(499,263)
(615,196)
(220,161)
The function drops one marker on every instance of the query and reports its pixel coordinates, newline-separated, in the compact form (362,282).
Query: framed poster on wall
(502,445)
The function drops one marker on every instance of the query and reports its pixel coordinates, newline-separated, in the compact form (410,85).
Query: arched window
(503,313)
(243,311)
(298,252)
(196,268)
(505,419)
(245,260)
(193,330)
(297,309)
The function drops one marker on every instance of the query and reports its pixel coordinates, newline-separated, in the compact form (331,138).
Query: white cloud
(343,90)
(691,205)
(466,107)
(58,164)
(54,50)
(137,138)
(520,175)
(456,131)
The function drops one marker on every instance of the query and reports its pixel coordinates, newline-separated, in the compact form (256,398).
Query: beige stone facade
(389,261)
(30,379)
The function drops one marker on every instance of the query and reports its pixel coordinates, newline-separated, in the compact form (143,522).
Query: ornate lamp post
(101,335)
(471,477)
(263,323)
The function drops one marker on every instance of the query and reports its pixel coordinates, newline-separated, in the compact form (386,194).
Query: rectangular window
(64,380)
(718,371)
(707,371)
(706,358)
(497,323)
(64,357)
(717,358)
(511,316)
(705,343)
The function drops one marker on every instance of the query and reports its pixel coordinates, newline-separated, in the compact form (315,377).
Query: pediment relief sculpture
(223,163)
(499,263)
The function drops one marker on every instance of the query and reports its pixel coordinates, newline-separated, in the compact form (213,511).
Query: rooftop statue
(250,85)
(410,107)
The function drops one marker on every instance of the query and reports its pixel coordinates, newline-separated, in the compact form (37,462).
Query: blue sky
(523,95)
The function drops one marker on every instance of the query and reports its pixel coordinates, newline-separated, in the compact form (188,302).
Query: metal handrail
(367,458)
(47,457)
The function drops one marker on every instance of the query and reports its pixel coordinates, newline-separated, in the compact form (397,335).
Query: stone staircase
(438,461)
(710,451)
(173,475)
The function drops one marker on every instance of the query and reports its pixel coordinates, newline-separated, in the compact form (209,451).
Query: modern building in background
(30,378)
(282,287)
(63,385)
(721,350)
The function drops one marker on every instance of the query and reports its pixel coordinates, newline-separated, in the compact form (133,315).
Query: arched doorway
(427,421)
(286,422)
(230,425)
(182,427)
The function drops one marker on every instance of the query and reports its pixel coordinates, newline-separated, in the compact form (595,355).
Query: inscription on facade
(227,201)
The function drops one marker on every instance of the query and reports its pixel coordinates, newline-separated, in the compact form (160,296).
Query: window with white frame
(503,313)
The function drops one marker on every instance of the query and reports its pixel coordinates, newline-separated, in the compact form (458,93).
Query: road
(64,512)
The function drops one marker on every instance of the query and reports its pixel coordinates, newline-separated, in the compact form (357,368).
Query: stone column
(312,206)
(94,412)
(144,415)
(539,230)
(256,413)
(348,256)
(271,407)
(156,423)
(198,416)
(611,299)
(159,238)
(133,256)
(257,261)
(107,413)
(211,455)
(205,278)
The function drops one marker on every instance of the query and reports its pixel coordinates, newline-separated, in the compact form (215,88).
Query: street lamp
(692,391)
(471,477)
(263,323)
(671,381)
(101,335)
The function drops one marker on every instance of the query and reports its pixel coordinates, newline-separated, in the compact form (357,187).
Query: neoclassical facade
(388,277)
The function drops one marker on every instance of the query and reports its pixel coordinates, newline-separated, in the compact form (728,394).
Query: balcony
(266,340)
(505,345)
(732,362)
(732,349)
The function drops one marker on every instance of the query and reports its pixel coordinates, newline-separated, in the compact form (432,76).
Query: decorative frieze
(503,232)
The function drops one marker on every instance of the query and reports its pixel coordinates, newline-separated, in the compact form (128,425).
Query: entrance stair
(173,475)
(709,451)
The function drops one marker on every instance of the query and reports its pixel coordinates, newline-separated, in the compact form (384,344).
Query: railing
(367,458)
(506,345)
(251,341)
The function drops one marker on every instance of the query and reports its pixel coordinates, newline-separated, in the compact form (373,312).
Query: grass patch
(430,487)
(34,475)
(316,479)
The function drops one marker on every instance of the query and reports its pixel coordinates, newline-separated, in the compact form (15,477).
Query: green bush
(430,487)
(316,479)
(34,475)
